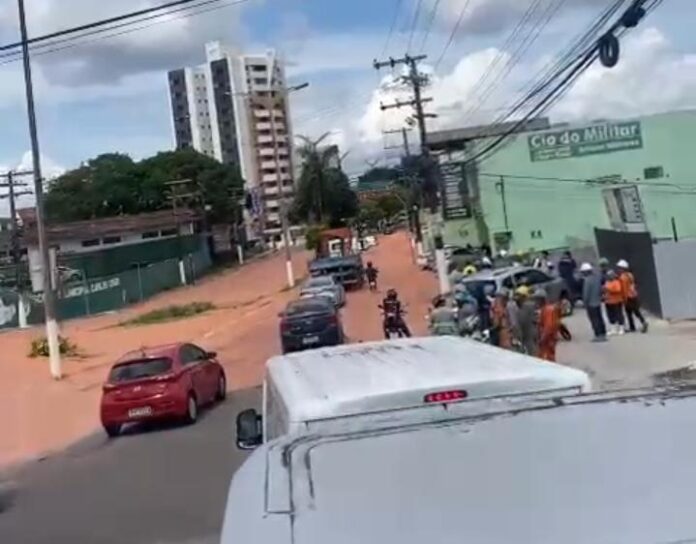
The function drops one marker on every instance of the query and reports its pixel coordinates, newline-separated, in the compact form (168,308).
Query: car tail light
(166,377)
(445,396)
(108,387)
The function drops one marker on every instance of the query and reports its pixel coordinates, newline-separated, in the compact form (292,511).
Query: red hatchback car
(164,382)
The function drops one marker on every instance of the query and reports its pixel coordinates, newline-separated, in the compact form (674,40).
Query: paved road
(152,486)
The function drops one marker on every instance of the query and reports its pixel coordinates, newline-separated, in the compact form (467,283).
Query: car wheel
(191,409)
(566,305)
(112,431)
(221,388)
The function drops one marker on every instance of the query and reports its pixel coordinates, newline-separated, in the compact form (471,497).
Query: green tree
(113,184)
(323,192)
(390,204)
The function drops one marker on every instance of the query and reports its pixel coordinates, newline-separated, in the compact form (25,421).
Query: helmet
(585,267)
(623,263)
(503,253)
(522,291)
(603,261)
(469,270)
(391,294)
(486,262)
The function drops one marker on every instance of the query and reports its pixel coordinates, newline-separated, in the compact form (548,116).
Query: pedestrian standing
(592,300)
(614,300)
(549,326)
(567,268)
(500,320)
(528,322)
(632,302)
(513,311)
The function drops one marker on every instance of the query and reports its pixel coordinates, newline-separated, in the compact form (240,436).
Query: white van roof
(395,374)
(602,469)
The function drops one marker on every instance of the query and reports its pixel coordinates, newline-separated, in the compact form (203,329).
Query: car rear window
(478,285)
(325,281)
(142,368)
(307,307)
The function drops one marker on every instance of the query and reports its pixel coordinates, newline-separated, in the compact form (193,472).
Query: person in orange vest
(614,300)
(632,302)
(549,326)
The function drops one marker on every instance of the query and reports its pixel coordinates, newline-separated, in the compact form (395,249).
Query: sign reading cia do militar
(590,140)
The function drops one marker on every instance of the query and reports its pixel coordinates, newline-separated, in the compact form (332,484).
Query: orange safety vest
(614,292)
(629,285)
(549,328)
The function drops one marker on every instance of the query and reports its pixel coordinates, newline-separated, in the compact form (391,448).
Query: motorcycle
(372,284)
(392,323)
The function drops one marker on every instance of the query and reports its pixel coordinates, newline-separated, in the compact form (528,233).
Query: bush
(39,347)
(170,313)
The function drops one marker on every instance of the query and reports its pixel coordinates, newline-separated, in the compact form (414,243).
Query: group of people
(521,320)
(611,291)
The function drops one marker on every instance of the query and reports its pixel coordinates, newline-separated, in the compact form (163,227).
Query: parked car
(512,277)
(166,382)
(310,323)
(348,270)
(324,286)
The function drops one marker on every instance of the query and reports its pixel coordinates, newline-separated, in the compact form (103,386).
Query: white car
(324,286)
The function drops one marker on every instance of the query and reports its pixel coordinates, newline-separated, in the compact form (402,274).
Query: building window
(109,240)
(168,232)
(150,235)
(654,172)
(90,243)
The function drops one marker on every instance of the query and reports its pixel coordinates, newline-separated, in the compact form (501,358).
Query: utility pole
(503,198)
(14,233)
(49,301)
(404,137)
(175,197)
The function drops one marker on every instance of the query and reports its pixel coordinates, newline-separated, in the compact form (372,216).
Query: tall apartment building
(235,108)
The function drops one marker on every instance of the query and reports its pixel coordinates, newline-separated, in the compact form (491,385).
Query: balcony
(264,140)
(266,178)
(266,152)
(270,190)
(264,126)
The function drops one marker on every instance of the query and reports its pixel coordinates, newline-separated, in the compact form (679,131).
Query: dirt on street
(40,415)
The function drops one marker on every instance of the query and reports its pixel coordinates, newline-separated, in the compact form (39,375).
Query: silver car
(324,286)
(512,277)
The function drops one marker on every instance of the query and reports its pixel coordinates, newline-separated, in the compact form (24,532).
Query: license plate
(140,412)
(309,340)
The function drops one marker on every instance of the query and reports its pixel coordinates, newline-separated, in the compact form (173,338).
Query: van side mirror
(249,430)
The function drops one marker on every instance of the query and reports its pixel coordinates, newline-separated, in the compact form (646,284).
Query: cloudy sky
(110,94)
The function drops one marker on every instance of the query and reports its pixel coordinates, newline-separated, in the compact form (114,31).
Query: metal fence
(83,295)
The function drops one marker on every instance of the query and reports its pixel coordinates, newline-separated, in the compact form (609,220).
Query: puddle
(685,375)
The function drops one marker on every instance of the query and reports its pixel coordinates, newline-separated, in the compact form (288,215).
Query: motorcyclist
(393,315)
(371,274)
(442,318)
(467,314)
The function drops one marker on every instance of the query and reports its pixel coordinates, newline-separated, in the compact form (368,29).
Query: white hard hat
(486,261)
(623,263)
(586,267)
(503,253)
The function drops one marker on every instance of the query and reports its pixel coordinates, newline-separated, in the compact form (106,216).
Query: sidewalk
(629,360)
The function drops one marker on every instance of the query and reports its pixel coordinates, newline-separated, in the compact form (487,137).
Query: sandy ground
(38,415)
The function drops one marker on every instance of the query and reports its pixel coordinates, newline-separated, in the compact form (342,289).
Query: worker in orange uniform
(549,326)
(632,302)
(614,300)
(500,318)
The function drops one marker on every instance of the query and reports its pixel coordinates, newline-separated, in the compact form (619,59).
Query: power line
(414,25)
(429,25)
(452,34)
(95,24)
(395,19)
(76,41)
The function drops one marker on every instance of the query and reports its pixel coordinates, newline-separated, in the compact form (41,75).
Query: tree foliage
(323,192)
(113,184)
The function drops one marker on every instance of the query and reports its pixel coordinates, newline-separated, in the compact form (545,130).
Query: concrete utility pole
(404,138)
(175,197)
(14,235)
(52,333)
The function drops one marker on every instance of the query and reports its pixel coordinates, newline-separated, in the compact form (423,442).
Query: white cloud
(651,76)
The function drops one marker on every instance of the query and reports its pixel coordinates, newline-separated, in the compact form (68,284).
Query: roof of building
(396,374)
(95,228)
(454,138)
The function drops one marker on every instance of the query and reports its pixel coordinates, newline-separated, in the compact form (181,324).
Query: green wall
(565,211)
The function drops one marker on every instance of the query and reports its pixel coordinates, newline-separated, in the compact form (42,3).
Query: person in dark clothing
(394,315)
(567,267)
(632,302)
(371,274)
(592,291)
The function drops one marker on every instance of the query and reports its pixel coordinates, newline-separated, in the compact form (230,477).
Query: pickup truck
(347,270)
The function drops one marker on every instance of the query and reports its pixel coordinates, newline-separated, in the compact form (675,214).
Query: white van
(612,468)
(367,385)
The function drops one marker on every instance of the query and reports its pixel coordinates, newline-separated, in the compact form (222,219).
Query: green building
(551,185)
